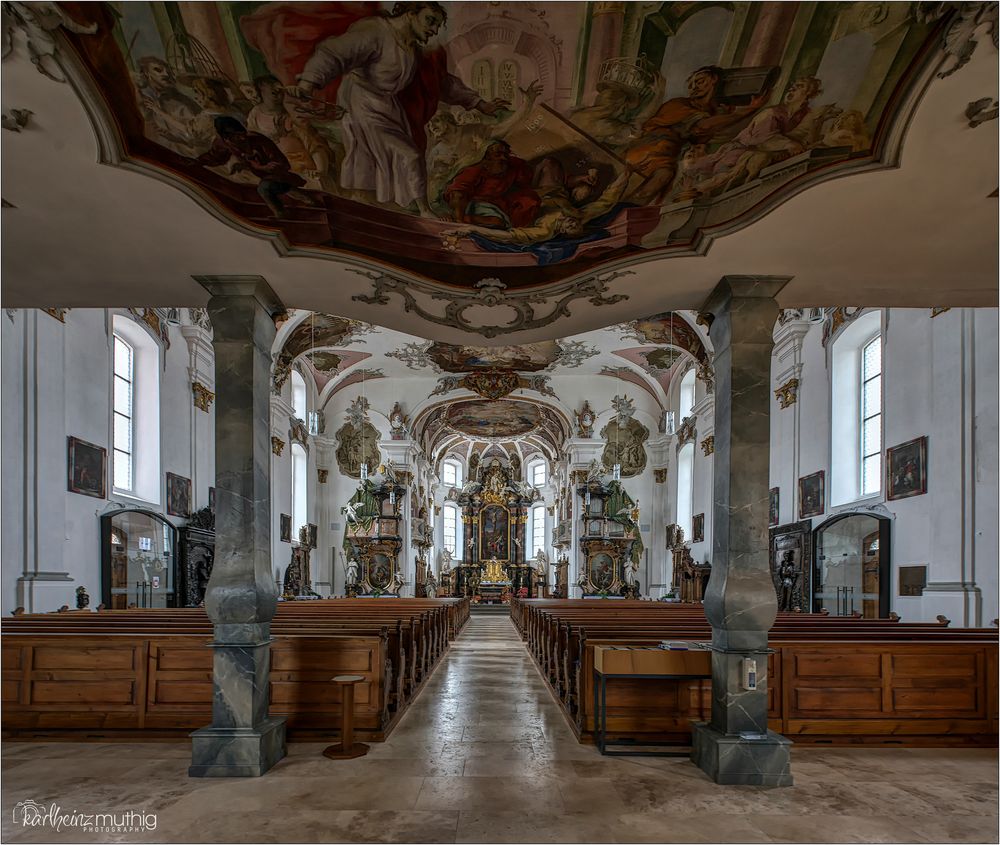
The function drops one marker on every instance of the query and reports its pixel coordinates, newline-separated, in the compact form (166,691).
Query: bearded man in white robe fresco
(390,89)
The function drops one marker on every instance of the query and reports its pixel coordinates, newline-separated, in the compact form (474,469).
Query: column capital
(255,286)
(743,287)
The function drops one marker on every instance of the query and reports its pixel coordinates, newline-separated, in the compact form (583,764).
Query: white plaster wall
(939,380)
(57,382)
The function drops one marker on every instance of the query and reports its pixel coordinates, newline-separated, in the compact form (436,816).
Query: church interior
(500,422)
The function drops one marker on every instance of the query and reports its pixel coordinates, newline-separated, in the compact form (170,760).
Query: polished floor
(484,755)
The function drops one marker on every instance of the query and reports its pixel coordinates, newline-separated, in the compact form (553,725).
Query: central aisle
(485,755)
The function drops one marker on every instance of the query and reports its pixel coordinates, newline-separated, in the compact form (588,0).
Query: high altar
(494,513)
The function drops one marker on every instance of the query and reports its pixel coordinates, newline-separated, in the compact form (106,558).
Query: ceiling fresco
(525,357)
(493,419)
(527,143)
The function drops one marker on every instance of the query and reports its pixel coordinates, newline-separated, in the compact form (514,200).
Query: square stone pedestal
(751,762)
(237,752)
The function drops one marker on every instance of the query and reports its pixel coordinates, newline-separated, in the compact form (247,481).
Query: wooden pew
(143,672)
(831,680)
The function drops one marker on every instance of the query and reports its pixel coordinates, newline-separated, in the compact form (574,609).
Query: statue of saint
(351,572)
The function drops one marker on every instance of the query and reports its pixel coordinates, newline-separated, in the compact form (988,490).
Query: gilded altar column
(735,746)
(243,739)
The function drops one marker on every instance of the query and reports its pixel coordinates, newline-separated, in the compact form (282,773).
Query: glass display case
(852,566)
(139,560)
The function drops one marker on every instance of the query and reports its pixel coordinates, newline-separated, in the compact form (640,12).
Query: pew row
(148,673)
(830,680)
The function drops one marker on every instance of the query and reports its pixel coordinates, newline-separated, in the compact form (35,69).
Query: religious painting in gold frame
(602,566)
(494,533)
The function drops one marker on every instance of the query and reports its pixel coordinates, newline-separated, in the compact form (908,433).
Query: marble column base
(237,752)
(733,761)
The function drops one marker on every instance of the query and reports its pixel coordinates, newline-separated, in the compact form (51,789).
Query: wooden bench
(128,673)
(831,680)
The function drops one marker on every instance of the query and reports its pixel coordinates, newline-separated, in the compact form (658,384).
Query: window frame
(863,453)
(452,463)
(457,539)
(117,339)
(536,519)
(532,466)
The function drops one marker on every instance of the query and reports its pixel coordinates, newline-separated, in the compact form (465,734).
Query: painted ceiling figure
(390,88)
(495,192)
(694,119)
(258,154)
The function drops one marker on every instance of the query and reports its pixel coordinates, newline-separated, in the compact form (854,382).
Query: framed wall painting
(812,495)
(286,528)
(773,511)
(698,528)
(178,495)
(313,535)
(906,469)
(87,468)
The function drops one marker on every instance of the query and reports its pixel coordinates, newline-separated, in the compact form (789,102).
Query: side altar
(494,514)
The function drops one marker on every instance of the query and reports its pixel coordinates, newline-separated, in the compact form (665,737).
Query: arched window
(299,405)
(300,486)
(856,411)
(538,472)
(536,530)
(685,399)
(122,412)
(452,526)
(871,417)
(685,487)
(451,473)
(135,411)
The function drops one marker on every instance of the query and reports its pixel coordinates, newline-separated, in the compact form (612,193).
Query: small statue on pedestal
(82,599)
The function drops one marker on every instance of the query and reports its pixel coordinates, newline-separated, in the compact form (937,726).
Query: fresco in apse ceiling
(527,142)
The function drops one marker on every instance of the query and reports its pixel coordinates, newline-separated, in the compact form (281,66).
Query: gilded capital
(202,396)
(788,393)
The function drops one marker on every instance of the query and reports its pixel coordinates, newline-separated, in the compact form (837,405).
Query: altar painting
(602,571)
(537,140)
(494,533)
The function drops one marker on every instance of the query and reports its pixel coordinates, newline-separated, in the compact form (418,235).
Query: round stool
(347,748)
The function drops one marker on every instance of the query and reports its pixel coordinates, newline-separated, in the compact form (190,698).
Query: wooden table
(693,663)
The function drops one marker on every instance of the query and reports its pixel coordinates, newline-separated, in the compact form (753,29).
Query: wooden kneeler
(347,748)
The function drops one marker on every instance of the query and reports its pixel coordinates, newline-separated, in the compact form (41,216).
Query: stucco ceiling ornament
(38,23)
(981,111)
(624,409)
(572,353)
(357,412)
(473,382)
(15,120)
(492,293)
(414,355)
(959,41)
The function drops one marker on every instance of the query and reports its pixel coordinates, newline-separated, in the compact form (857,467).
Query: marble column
(243,740)
(735,746)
